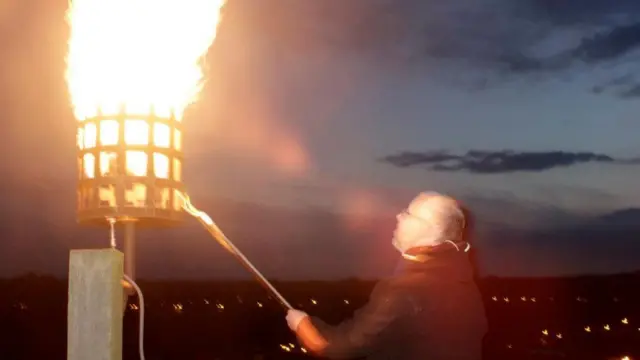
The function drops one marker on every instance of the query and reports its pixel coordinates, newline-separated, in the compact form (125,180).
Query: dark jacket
(429,310)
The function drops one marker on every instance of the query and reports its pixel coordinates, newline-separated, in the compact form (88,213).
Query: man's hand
(294,317)
(300,323)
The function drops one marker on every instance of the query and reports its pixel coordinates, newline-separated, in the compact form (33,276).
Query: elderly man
(430,309)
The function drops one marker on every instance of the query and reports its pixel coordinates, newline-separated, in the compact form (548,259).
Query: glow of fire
(136,55)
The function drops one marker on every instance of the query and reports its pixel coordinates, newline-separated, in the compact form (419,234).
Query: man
(430,309)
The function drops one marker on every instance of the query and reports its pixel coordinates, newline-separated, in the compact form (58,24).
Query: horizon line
(345,279)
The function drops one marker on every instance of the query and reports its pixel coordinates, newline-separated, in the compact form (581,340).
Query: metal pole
(130,249)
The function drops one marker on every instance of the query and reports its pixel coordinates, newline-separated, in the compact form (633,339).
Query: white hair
(442,221)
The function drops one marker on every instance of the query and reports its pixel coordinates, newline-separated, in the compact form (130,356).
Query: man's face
(410,224)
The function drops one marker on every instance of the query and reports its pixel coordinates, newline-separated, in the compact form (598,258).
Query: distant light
(178,307)
(625,321)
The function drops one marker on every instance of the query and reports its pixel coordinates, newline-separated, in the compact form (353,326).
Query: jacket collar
(446,258)
(425,253)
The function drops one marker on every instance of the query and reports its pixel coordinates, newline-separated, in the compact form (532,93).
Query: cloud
(609,44)
(498,39)
(573,37)
(620,81)
(494,162)
(502,37)
(575,12)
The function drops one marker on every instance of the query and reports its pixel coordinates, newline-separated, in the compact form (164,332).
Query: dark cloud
(610,35)
(508,38)
(624,87)
(578,12)
(631,92)
(503,38)
(615,83)
(493,162)
(610,44)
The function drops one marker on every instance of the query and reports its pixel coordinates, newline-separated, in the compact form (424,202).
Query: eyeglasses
(406,212)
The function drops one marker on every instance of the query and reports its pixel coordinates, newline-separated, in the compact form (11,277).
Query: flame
(136,55)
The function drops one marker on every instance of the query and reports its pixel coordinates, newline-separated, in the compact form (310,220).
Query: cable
(141,330)
(112,226)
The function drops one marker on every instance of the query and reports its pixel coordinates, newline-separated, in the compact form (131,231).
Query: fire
(137,56)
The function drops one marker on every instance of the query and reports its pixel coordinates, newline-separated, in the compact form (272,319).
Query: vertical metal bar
(130,249)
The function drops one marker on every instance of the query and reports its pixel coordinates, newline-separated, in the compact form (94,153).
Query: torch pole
(217,234)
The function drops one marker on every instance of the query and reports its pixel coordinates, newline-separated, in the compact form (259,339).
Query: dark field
(581,318)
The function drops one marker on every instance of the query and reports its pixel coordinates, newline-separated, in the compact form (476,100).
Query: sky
(320,120)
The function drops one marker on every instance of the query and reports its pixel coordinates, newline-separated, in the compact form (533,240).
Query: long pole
(217,234)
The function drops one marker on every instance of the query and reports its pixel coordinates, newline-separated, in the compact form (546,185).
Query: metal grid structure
(130,169)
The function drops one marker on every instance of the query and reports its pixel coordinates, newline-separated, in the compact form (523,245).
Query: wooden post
(94,319)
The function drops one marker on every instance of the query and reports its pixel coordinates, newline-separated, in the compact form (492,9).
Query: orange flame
(138,54)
